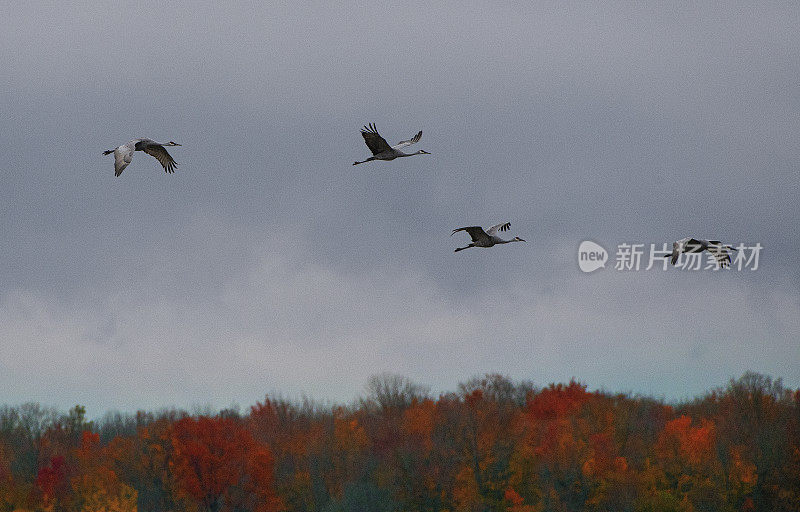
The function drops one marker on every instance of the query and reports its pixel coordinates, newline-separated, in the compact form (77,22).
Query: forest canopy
(492,445)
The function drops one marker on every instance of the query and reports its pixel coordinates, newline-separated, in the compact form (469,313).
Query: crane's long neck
(401,153)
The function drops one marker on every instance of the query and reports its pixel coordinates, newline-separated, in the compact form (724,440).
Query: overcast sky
(269,264)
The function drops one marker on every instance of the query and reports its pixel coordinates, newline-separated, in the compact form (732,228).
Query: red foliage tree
(52,479)
(219,466)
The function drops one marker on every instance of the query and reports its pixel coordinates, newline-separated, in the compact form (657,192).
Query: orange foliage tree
(95,485)
(687,467)
(553,446)
(296,439)
(144,461)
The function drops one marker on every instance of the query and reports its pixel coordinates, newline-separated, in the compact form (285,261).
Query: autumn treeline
(495,445)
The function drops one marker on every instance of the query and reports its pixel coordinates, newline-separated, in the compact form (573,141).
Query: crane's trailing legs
(365,161)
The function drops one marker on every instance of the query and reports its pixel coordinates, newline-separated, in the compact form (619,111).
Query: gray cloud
(268,262)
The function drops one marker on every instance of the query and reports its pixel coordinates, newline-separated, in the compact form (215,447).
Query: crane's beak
(424,152)
(175,143)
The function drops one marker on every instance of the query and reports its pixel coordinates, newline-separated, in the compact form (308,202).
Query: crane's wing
(503,226)
(728,247)
(717,242)
(122,158)
(676,252)
(694,245)
(720,253)
(162,156)
(476,232)
(679,247)
(412,140)
(374,141)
